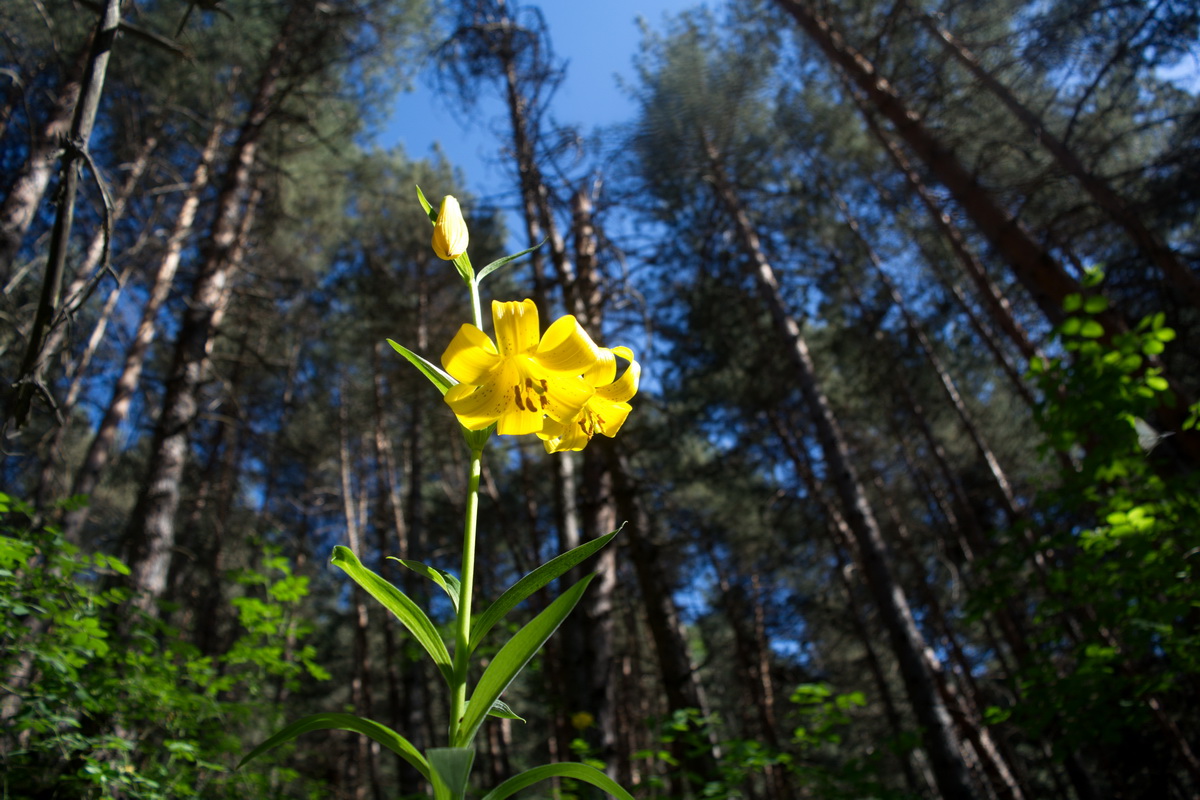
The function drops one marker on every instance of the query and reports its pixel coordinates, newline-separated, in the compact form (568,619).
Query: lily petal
(566,347)
(470,355)
(625,387)
(516,326)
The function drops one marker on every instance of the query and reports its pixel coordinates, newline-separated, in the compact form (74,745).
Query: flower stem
(462,634)
(476,308)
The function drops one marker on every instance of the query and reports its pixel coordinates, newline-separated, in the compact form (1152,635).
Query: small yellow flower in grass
(450,231)
(526,378)
(604,412)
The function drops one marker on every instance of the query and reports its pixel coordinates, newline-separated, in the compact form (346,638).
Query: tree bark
(150,535)
(941,741)
(95,462)
(1042,275)
(83,120)
(1173,270)
(21,205)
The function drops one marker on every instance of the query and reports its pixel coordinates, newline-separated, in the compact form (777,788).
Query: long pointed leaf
(513,657)
(450,584)
(579,772)
(345,722)
(500,262)
(531,583)
(436,375)
(408,612)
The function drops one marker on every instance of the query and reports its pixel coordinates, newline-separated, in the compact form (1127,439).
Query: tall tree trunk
(360,682)
(33,364)
(151,531)
(1034,266)
(949,387)
(76,294)
(20,206)
(680,683)
(1105,196)
(587,635)
(940,739)
(95,462)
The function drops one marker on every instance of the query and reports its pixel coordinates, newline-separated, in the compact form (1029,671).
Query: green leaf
(1072,303)
(1071,325)
(409,614)
(1091,330)
(345,722)
(452,765)
(500,709)
(429,209)
(495,265)
(1096,304)
(513,657)
(436,375)
(579,772)
(450,584)
(535,580)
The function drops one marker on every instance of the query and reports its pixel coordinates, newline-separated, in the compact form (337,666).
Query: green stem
(475,305)
(462,634)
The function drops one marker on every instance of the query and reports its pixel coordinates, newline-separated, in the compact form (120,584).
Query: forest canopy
(906,504)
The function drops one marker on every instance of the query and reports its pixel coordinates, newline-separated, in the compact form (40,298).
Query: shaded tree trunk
(21,205)
(33,364)
(941,741)
(1181,278)
(1042,275)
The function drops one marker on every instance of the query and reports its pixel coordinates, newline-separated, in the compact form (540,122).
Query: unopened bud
(450,231)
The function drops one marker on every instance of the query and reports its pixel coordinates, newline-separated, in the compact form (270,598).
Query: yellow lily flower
(450,233)
(604,412)
(525,379)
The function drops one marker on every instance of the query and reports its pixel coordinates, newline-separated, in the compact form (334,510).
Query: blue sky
(598,40)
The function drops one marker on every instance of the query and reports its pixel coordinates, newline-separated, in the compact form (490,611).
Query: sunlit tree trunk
(75,295)
(95,462)
(151,531)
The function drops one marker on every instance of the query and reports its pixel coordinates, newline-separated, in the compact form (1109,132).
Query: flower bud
(450,231)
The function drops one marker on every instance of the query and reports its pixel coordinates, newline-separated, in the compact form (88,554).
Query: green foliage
(102,701)
(812,762)
(1122,529)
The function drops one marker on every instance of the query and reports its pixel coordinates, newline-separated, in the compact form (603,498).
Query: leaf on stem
(452,768)
(408,612)
(436,375)
(345,722)
(425,204)
(579,772)
(513,657)
(500,262)
(535,580)
(448,582)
